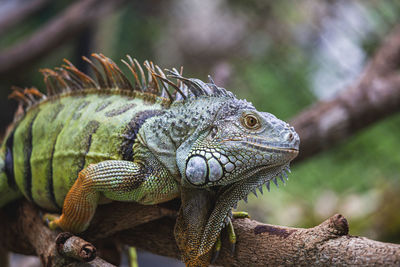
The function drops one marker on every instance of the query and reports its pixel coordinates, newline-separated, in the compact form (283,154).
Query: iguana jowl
(105,138)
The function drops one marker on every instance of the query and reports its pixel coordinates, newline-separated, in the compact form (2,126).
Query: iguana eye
(250,122)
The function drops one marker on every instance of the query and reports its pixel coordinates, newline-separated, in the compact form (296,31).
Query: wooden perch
(23,231)
(75,247)
(258,244)
(268,245)
(71,22)
(374,96)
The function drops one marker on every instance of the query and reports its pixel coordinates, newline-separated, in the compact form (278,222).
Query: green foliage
(277,83)
(359,177)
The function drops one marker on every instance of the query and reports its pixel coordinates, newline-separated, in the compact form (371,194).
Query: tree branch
(75,247)
(72,21)
(22,231)
(258,244)
(268,245)
(375,96)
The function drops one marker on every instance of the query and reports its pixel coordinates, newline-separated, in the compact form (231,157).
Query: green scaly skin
(106,139)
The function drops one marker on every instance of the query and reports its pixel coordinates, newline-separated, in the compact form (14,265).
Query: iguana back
(73,127)
(60,137)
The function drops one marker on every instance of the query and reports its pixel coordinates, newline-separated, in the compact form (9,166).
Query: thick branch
(258,244)
(375,96)
(22,231)
(75,247)
(74,20)
(116,217)
(268,245)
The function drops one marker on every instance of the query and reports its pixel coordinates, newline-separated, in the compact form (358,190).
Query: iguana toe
(51,220)
(231,236)
(217,249)
(240,215)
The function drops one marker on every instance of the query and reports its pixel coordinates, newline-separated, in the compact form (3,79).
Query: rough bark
(374,96)
(4,257)
(75,247)
(268,245)
(22,231)
(71,22)
(258,244)
(125,216)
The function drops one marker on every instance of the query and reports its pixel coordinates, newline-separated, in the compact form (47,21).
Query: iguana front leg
(196,207)
(192,225)
(116,180)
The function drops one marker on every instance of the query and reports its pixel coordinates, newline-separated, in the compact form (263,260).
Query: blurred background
(281,55)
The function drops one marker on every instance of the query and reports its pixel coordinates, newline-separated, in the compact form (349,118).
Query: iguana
(159,138)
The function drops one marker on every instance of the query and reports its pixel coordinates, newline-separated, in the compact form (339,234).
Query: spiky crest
(108,75)
(26,96)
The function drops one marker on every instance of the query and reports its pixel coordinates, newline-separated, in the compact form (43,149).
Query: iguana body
(91,140)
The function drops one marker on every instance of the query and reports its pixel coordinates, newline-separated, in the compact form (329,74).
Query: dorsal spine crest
(108,76)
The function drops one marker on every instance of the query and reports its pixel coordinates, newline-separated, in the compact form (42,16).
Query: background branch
(373,97)
(71,22)
(21,12)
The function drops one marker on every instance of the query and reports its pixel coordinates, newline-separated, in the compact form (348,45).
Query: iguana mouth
(261,144)
(230,195)
(270,148)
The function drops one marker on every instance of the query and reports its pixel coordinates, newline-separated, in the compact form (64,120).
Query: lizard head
(239,143)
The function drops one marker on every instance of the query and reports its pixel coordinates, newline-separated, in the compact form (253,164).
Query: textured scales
(149,141)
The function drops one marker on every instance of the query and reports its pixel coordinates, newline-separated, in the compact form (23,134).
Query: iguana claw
(217,249)
(51,220)
(240,215)
(231,230)
(231,235)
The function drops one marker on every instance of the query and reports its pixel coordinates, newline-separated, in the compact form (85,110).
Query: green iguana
(90,139)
